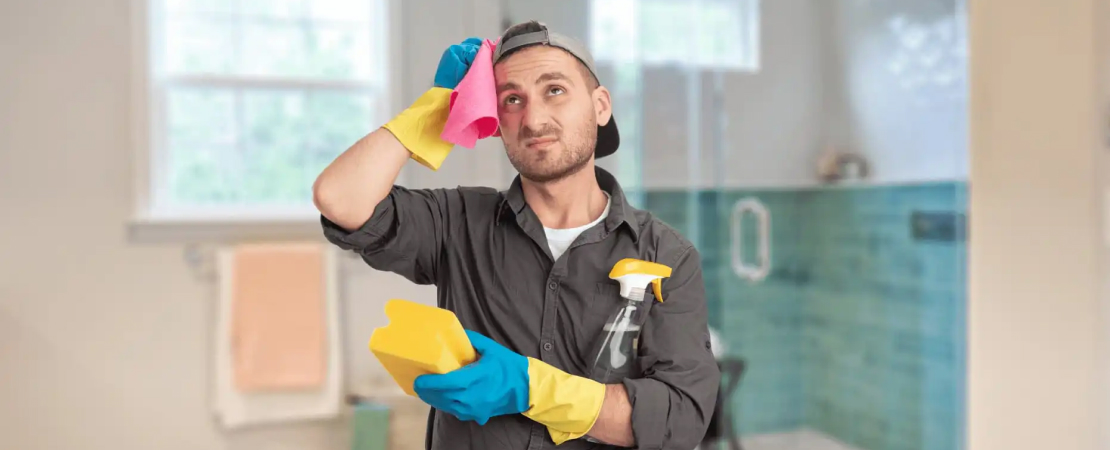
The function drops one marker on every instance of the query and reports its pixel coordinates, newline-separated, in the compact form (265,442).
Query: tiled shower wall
(859,330)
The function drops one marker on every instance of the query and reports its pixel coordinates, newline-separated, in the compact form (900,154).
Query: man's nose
(536,116)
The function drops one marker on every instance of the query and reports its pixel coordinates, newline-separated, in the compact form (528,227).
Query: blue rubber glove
(494,385)
(455,62)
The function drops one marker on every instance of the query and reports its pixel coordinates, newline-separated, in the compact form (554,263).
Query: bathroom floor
(803,439)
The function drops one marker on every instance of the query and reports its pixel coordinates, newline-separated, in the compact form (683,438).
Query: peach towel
(278,336)
(278,393)
(473,108)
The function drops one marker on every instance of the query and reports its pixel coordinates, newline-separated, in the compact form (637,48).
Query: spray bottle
(616,353)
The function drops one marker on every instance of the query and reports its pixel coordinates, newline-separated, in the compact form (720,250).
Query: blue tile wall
(859,330)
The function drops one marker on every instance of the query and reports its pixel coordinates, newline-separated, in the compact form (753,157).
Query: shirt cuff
(650,408)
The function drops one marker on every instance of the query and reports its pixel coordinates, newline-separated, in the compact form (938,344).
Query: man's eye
(556,90)
(512,100)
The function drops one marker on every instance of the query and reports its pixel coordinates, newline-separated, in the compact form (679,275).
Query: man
(526,270)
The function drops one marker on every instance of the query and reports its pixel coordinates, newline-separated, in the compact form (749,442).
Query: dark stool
(720,425)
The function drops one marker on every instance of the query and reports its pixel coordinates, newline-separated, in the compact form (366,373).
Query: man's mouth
(541,142)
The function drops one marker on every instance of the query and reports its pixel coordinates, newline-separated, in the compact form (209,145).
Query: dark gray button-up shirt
(487,254)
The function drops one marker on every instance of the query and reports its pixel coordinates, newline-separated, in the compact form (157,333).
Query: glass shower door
(814,152)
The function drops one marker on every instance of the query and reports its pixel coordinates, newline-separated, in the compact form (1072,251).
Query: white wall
(105,343)
(1037,305)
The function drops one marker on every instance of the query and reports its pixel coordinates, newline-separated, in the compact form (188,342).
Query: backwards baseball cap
(608,139)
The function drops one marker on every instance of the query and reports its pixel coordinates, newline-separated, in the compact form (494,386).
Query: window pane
(174,7)
(200,44)
(341,10)
(291,136)
(201,136)
(287,137)
(289,9)
(277,134)
(613,30)
(343,51)
(276,48)
(337,120)
(297,49)
(228,143)
(720,40)
(286,38)
(671,25)
(348,11)
(202,115)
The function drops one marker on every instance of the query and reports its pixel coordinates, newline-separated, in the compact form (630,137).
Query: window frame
(147,120)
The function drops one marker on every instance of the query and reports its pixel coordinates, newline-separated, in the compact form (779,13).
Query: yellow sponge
(418,340)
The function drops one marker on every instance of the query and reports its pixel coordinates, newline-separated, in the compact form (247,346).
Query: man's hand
(494,385)
(504,382)
(349,189)
(419,127)
(455,62)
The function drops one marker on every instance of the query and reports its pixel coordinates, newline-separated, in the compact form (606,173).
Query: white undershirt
(559,239)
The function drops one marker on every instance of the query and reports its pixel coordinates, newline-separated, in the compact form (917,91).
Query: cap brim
(608,139)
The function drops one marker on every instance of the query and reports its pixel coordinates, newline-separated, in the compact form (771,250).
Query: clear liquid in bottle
(616,352)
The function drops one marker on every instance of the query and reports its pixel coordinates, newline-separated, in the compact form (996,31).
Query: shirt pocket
(604,303)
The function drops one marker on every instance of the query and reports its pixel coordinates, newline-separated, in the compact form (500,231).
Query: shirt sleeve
(674,401)
(405,235)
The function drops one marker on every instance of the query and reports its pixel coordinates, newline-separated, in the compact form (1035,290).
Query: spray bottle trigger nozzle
(657,286)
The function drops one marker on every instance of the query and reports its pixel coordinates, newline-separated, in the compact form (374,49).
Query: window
(710,34)
(250,99)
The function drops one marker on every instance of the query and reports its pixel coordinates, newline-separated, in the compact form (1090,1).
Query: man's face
(548,112)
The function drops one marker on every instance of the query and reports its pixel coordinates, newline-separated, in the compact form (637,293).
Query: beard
(553,164)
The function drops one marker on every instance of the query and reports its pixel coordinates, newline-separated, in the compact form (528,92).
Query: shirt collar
(620,212)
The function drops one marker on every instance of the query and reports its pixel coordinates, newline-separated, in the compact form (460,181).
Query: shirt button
(552,285)
(547,346)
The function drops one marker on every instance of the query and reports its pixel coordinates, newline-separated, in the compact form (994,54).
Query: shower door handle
(742,269)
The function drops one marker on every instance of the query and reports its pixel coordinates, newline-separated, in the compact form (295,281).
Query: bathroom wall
(858,331)
(883,318)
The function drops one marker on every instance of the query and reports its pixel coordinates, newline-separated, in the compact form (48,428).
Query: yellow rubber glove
(418,127)
(567,404)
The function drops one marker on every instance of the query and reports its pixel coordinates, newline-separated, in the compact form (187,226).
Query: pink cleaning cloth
(473,108)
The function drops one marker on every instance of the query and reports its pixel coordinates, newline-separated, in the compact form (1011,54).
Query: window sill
(216,229)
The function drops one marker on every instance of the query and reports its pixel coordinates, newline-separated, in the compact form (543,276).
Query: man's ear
(603,105)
